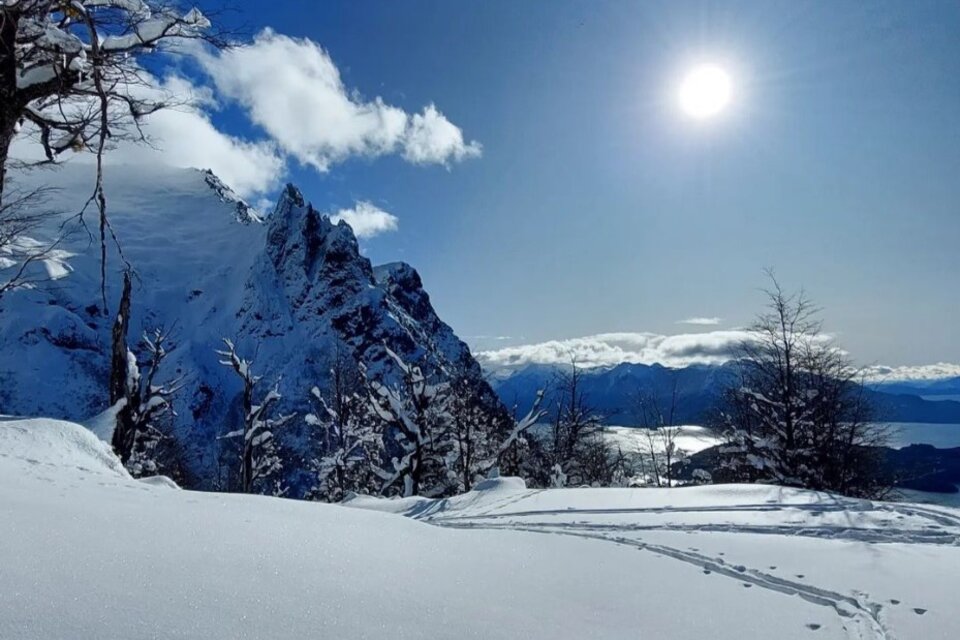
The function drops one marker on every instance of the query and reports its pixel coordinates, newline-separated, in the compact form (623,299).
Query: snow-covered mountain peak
(245,213)
(285,291)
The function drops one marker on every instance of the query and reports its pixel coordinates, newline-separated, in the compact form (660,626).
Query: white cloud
(701,321)
(366,219)
(880,373)
(431,138)
(607,349)
(681,350)
(184,136)
(293,90)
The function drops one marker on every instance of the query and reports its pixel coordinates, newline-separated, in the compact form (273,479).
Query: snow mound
(502,484)
(160,481)
(42,442)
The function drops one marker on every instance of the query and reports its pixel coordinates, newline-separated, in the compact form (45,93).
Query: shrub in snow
(701,476)
(558,478)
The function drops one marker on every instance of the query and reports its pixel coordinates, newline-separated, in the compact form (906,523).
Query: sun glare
(705,91)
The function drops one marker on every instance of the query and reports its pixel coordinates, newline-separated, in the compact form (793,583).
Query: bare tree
(71,76)
(21,213)
(658,411)
(797,413)
(574,441)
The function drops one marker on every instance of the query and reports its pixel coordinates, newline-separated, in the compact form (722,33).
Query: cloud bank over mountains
(681,350)
(606,349)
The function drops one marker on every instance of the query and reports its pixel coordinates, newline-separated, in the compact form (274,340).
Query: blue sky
(597,206)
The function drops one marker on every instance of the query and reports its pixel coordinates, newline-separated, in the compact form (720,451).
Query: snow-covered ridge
(284,288)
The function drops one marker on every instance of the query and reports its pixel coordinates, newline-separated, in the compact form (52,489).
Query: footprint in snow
(707,571)
(813,626)
(919,611)
(800,575)
(894,601)
(773,567)
(747,585)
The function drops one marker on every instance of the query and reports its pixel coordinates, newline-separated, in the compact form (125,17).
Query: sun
(705,91)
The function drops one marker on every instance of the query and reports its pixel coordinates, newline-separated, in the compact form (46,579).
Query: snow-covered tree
(415,413)
(139,397)
(469,437)
(558,479)
(260,462)
(71,75)
(153,402)
(347,443)
(515,438)
(797,412)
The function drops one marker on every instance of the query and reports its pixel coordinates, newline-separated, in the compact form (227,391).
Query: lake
(942,436)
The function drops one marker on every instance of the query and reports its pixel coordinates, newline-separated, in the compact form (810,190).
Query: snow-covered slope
(208,268)
(870,569)
(89,552)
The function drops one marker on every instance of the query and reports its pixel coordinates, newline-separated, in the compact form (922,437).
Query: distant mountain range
(614,392)
(943,388)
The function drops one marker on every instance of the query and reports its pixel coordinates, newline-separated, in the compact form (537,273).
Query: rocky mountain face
(286,289)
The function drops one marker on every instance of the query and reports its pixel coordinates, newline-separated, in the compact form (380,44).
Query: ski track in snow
(860,617)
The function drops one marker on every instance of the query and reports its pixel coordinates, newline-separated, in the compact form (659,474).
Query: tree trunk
(246,459)
(7,131)
(8,89)
(247,465)
(123,433)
